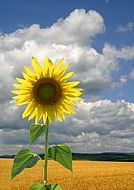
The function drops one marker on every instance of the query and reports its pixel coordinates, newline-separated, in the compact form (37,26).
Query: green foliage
(113,156)
(35,131)
(38,186)
(24,159)
(62,154)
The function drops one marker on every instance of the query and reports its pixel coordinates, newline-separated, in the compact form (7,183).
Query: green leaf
(53,186)
(35,131)
(23,159)
(38,186)
(62,154)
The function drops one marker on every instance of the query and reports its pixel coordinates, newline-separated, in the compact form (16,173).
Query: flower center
(47,91)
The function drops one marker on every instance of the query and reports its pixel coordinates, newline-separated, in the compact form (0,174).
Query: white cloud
(78,27)
(111,52)
(95,123)
(96,127)
(131,74)
(121,82)
(124,28)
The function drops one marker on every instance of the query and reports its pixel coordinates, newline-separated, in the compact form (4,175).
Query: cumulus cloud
(93,128)
(72,39)
(126,53)
(77,27)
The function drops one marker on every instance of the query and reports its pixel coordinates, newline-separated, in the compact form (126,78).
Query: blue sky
(97,39)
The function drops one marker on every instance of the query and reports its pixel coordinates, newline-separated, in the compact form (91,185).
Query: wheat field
(86,175)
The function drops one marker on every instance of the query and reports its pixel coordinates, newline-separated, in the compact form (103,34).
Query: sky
(96,38)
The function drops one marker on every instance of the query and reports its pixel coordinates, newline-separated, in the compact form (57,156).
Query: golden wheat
(86,175)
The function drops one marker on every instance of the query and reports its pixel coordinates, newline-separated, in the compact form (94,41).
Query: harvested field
(86,175)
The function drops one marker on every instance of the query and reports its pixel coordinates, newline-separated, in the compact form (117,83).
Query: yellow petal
(64,78)
(65,108)
(28,109)
(23,82)
(70,84)
(33,112)
(29,71)
(23,99)
(60,114)
(60,73)
(68,102)
(50,113)
(38,114)
(21,92)
(15,91)
(57,66)
(37,67)
(23,86)
(72,94)
(74,98)
(29,77)
(18,85)
(59,117)
(44,114)
(48,66)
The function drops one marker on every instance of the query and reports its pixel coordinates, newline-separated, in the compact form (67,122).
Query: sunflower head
(47,91)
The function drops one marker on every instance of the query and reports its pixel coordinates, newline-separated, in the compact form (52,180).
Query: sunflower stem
(46,153)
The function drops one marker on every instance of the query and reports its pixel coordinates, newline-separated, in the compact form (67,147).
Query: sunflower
(47,91)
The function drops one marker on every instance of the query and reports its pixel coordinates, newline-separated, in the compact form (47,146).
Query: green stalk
(46,153)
